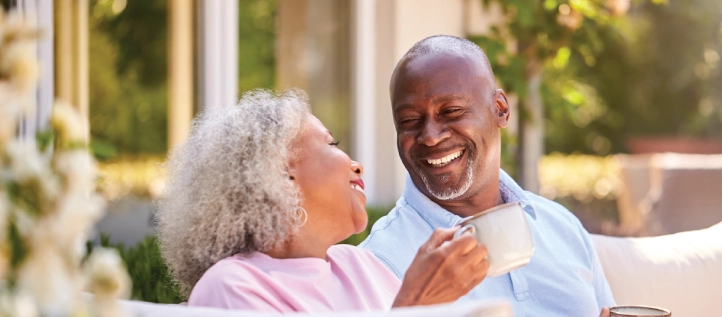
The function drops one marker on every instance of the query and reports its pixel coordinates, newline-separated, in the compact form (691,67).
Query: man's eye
(451,111)
(408,121)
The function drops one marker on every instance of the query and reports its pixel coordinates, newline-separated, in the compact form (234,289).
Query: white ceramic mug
(505,232)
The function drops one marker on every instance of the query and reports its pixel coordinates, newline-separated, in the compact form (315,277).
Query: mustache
(425,152)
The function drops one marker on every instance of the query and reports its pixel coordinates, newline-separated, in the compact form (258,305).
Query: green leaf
(550,5)
(562,58)
(44,139)
(19,249)
(102,150)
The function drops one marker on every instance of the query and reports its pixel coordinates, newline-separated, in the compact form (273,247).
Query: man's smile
(445,160)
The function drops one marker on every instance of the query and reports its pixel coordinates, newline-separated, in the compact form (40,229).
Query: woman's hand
(443,272)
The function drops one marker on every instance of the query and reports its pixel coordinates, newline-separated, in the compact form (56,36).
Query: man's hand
(605,312)
(443,272)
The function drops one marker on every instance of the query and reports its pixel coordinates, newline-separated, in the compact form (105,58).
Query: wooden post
(71,42)
(180,70)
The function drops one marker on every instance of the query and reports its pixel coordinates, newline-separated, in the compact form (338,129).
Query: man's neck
(487,197)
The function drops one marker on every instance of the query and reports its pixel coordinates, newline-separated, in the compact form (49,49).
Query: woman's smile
(358,185)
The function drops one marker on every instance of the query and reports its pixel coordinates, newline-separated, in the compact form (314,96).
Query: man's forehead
(438,78)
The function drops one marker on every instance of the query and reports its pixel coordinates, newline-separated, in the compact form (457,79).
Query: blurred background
(617,104)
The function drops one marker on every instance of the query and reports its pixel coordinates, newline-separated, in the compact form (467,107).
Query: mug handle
(467,228)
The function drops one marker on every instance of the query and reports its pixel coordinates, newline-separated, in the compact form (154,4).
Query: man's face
(447,116)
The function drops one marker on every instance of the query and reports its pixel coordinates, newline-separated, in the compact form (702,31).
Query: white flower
(25,161)
(72,220)
(79,169)
(106,274)
(17,305)
(69,124)
(17,57)
(19,64)
(30,169)
(50,278)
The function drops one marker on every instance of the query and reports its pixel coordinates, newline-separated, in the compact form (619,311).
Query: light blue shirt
(563,278)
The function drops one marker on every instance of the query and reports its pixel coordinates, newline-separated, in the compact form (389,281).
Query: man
(448,115)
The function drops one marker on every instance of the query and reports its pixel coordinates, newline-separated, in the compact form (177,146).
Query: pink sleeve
(222,286)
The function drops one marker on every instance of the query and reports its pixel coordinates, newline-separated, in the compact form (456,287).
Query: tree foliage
(129,68)
(657,75)
(607,76)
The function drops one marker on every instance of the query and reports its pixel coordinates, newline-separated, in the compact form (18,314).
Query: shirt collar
(439,217)
(506,183)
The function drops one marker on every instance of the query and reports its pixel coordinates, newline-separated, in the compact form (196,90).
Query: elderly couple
(259,196)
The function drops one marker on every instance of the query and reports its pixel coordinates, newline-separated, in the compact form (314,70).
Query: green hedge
(152,281)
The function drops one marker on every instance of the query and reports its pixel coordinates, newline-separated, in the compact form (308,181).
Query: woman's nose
(357,168)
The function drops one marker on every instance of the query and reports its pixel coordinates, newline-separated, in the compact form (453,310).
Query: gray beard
(448,193)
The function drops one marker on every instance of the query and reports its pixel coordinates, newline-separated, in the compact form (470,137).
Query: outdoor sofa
(681,272)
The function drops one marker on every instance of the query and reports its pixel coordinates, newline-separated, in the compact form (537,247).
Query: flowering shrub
(47,200)
(583,177)
(140,177)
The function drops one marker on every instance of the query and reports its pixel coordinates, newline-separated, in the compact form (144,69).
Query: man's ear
(502,109)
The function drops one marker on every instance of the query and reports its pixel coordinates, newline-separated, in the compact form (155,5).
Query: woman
(257,199)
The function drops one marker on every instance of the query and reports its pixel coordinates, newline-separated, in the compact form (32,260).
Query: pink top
(352,279)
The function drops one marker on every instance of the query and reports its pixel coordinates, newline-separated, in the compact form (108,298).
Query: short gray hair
(445,43)
(227,188)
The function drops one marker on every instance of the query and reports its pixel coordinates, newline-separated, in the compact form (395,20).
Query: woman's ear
(502,108)
(292,167)
(291,171)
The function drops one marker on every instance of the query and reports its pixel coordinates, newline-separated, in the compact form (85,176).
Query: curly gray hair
(227,189)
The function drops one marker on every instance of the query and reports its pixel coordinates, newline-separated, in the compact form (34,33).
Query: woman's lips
(358,184)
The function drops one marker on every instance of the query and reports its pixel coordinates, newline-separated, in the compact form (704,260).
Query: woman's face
(330,183)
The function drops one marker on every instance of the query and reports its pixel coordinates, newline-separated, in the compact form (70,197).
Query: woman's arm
(443,270)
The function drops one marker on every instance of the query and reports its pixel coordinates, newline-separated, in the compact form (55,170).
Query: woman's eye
(334,143)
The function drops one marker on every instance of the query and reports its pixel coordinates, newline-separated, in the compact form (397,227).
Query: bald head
(439,44)
(447,57)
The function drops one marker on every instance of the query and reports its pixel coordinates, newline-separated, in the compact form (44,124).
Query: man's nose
(433,133)
(357,168)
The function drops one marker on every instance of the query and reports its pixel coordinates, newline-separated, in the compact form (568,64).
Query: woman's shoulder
(349,251)
(227,270)
(233,283)
(349,255)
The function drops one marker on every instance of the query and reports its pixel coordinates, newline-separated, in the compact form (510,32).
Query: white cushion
(681,272)
(477,309)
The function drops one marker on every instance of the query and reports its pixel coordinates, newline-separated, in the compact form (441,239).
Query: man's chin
(444,186)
